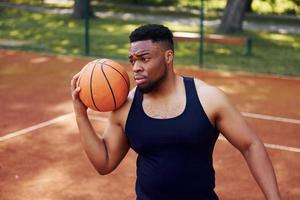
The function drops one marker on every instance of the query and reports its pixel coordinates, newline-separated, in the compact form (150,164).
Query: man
(172,122)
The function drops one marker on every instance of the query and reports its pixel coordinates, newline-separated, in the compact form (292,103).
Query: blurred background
(61,27)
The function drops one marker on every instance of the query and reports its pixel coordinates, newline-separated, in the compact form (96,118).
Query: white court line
(250,115)
(271,118)
(272,146)
(104,119)
(281,147)
(32,128)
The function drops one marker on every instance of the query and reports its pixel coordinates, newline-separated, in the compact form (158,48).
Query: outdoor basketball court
(41,156)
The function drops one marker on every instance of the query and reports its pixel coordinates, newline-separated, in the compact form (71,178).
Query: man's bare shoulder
(207,89)
(131,93)
(120,115)
(210,95)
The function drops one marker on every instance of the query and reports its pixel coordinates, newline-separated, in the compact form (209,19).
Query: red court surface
(41,156)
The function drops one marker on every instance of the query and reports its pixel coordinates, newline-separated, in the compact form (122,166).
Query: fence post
(201,48)
(86,28)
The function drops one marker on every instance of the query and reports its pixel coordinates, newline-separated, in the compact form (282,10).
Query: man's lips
(139,79)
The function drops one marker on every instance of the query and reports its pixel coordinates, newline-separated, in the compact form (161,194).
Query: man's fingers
(74,81)
(75,93)
(76,75)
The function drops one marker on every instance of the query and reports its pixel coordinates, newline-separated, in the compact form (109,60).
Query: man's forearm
(262,170)
(93,145)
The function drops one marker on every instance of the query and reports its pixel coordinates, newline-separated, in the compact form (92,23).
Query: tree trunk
(79,8)
(248,6)
(233,16)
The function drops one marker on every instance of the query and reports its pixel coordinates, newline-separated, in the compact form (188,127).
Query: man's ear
(169,56)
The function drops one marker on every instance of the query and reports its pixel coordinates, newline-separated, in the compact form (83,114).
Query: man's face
(148,64)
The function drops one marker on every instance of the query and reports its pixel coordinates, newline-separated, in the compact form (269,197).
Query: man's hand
(79,108)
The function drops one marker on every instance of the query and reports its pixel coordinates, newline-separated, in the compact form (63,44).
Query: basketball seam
(112,92)
(121,75)
(91,87)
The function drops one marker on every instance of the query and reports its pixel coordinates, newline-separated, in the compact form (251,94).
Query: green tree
(297,2)
(232,20)
(248,6)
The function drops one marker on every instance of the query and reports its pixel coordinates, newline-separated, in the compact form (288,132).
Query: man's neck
(167,87)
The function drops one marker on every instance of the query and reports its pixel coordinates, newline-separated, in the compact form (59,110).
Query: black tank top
(174,155)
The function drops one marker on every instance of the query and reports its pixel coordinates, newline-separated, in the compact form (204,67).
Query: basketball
(104,85)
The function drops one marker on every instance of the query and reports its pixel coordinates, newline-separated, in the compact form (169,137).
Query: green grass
(61,34)
(187,8)
(258,6)
(211,6)
(272,54)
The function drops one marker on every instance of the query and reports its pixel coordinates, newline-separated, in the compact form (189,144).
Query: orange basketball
(104,85)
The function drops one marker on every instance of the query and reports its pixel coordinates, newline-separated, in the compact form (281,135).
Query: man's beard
(153,84)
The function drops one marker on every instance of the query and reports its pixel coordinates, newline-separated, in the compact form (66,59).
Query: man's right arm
(105,152)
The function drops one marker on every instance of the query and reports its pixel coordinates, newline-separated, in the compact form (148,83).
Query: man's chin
(144,89)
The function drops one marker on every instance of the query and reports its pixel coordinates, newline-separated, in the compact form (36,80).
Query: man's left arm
(235,129)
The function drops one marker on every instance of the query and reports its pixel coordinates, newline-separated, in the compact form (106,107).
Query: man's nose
(137,67)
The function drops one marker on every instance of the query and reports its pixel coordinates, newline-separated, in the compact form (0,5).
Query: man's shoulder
(120,115)
(128,101)
(131,93)
(213,95)
(208,89)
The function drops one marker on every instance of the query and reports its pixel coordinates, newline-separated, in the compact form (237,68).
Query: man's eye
(145,59)
(131,62)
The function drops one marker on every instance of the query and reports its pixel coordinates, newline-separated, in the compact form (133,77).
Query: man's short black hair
(153,32)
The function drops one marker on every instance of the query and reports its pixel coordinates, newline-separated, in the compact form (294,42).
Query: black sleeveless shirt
(174,155)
